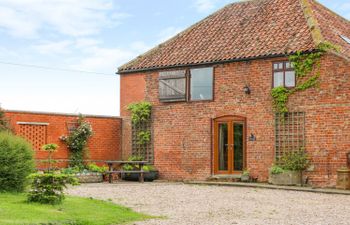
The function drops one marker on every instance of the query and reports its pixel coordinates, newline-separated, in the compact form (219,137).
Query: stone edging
(268,186)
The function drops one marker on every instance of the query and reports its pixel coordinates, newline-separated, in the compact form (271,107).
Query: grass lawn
(73,211)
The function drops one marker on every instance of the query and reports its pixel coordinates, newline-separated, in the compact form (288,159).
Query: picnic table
(111,171)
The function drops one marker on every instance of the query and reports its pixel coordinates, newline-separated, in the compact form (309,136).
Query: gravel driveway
(213,205)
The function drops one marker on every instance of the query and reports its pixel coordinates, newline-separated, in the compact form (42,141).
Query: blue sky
(86,35)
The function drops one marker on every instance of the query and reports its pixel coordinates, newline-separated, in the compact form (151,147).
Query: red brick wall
(183,134)
(327,120)
(103,145)
(132,89)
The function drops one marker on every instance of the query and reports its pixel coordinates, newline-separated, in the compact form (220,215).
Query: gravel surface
(182,204)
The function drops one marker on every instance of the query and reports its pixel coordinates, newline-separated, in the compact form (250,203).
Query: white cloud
(204,6)
(52,48)
(16,24)
(68,17)
(86,42)
(140,46)
(7,53)
(104,59)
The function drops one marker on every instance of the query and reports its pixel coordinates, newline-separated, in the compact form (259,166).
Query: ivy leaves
(304,64)
(280,98)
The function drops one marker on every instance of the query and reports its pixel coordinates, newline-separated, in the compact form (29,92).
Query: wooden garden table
(117,162)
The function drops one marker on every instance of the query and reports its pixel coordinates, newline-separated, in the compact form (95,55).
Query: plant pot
(89,177)
(245,178)
(285,178)
(343,179)
(148,176)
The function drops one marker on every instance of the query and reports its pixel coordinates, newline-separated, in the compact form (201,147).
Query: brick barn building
(210,88)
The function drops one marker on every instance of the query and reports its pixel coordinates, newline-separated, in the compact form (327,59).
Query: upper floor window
(283,74)
(186,85)
(201,84)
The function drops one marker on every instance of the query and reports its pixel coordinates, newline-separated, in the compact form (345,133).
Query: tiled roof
(332,27)
(244,30)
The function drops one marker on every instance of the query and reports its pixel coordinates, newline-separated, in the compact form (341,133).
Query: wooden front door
(229,145)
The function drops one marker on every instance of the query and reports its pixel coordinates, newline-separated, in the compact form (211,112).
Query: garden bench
(111,171)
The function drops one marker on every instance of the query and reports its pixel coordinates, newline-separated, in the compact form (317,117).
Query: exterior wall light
(246,90)
(252,137)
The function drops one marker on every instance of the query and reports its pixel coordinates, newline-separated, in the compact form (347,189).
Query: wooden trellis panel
(34,133)
(145,150)
(289,133)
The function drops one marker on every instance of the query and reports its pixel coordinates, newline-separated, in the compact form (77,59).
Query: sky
(62,55)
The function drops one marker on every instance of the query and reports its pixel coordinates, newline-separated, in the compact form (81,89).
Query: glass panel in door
(238,146)
(223,147)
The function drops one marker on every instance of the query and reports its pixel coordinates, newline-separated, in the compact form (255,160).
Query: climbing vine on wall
(141,129)
(304,65)
(140,112)
(77,142)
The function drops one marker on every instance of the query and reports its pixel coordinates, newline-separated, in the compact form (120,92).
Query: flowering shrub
(77,141)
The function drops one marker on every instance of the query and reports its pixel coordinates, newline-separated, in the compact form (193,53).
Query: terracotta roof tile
(332,26)
(241,30)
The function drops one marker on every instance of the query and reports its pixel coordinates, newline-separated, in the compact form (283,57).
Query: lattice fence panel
(35,134)
(145,150)
(289,133)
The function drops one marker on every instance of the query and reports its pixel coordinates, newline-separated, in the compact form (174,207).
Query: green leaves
(140,112)
(4,125)
(97,169)
(16,158)
(50,147)
(47,188)
(141,118)
(77,141)
(143,137)
(295,161)
(276,169)
(280,98)
(304,64)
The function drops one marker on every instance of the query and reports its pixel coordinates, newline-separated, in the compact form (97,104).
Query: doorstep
(269,186)
(224,178)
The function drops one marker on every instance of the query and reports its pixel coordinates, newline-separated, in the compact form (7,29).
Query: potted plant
(150,172)
(245,177)
(88,174)
(288,171)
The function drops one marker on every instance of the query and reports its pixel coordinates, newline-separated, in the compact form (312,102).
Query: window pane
(288,65)
(223,146)
(202,84)
(280,66)
(238,147)
(277,79)
(290,79)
